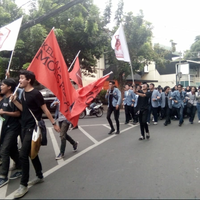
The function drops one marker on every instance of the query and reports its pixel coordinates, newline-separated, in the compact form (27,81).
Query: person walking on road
(142,107)
(128,102)
(113,96)
(179,98)
(155,97)
(64,127)
(32,99)
(166,105)
(191,104)
(10,130)
(198,103)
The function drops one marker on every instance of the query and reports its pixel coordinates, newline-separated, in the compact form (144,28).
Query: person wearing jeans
(64,127)
(113,96)
(179,98)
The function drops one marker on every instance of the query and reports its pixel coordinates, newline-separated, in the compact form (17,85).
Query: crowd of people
(18,113)
(143,103)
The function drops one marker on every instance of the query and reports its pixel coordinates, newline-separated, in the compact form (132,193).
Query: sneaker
(148,123)
(13,167)
(22,190)
(60,156)
(75,146)
(111,131)
(3,181)
(36,181)
(147,135)
(76,127)
(117,132)
(199,122)
(141,138)
(155,123)
(16,175)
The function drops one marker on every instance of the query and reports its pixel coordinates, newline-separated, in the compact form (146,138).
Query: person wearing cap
(198,103)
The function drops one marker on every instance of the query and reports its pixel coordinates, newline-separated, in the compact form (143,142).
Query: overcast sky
(172,19)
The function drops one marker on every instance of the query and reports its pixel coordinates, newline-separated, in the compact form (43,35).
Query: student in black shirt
(142,107)
(31,99)
(1,100)
(10,130)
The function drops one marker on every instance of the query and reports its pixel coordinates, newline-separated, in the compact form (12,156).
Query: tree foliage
(79,28)
(194,51)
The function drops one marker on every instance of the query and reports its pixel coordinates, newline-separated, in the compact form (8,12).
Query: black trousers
(9,149)
(24,158)
(191,112)
(166,113)
(116,115)
(127,113)
(155,114)
(143,122)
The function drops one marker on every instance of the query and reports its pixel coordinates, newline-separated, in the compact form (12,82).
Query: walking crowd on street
(142,103)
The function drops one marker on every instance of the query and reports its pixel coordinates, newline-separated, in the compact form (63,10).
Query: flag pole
(8,69)
(132,72)
(74,60)
(108,73)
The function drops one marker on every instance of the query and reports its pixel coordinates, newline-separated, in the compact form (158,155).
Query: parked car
(49,97)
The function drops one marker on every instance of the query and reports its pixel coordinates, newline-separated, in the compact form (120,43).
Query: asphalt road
(166,166)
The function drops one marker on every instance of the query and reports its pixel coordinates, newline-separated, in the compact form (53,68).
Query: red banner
(75,74)
(51,71)
(85,96)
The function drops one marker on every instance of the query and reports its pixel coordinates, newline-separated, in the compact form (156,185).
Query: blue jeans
(198,110)
(180,114)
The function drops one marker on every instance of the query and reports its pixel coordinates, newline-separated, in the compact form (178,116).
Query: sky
(175,20)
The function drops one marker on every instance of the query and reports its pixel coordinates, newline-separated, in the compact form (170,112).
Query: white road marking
(88,135)
(106,126)
(92,125)
(63,163)
(55,144)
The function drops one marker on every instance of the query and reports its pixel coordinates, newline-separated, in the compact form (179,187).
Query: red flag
(85,96)
(75,74)
(51,71)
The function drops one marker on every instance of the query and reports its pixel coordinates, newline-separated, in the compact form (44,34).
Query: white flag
(119,44)
(9,34)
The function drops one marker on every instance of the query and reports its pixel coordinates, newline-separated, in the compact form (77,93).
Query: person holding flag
(32,99)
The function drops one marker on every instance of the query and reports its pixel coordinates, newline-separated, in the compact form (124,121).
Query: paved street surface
(166,166)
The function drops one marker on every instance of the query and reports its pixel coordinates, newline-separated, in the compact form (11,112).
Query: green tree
(119,12)
(193,53)
(107,12)
(78,28)
(139,40)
